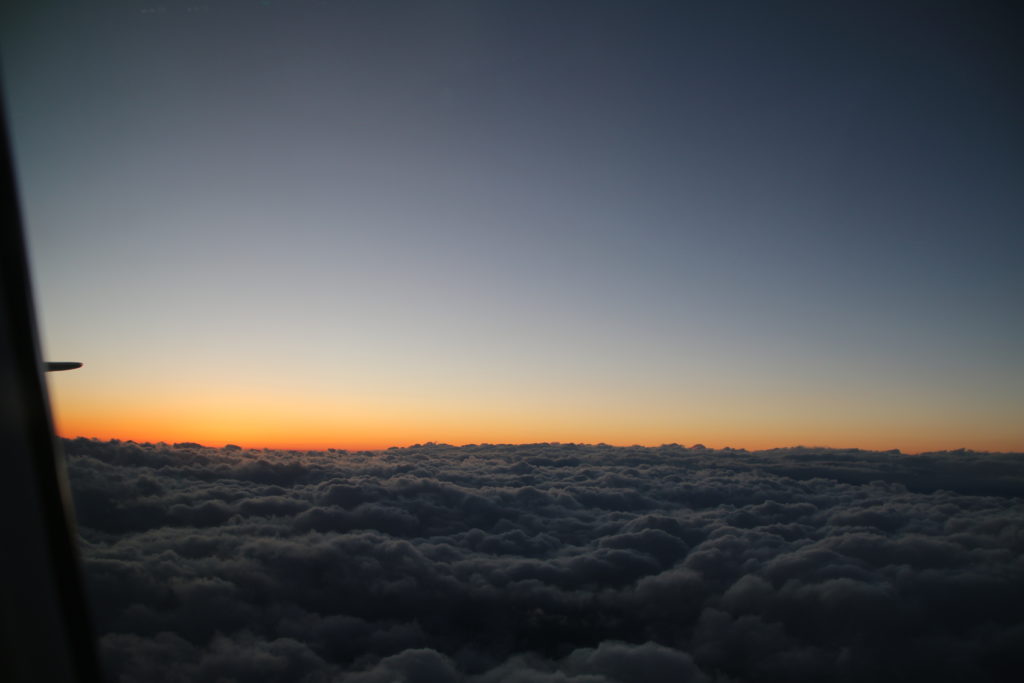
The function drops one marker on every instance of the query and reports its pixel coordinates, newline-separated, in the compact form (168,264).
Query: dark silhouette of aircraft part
(45,630)
(57,366)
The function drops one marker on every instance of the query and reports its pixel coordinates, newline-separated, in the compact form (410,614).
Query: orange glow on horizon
(317,420)
(216,440)
(281,436)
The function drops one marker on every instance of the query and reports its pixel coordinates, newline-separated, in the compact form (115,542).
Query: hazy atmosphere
(363,224)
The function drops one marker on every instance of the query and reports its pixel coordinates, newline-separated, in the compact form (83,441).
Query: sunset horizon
(646,225)
(530,341)
(285,420)
(219,439)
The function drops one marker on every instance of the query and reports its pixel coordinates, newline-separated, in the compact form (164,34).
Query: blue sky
(629,222)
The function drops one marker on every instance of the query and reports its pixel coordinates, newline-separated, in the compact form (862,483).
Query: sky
(305,224)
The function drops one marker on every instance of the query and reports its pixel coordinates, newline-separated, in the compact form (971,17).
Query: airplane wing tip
(58,366)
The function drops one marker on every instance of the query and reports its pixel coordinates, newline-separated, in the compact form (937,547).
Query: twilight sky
(363,224)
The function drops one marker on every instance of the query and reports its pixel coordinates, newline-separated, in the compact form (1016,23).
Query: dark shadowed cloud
(551,562)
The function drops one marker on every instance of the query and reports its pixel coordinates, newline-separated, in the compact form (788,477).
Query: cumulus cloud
(551,562)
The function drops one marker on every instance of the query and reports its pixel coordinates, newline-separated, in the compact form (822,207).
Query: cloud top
(551,562)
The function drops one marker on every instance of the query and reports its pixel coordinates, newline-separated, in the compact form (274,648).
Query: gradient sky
(364,224)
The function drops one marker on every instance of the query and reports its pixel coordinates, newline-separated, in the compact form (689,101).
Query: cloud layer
(552,563)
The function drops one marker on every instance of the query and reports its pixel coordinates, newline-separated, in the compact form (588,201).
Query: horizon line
(697,446)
